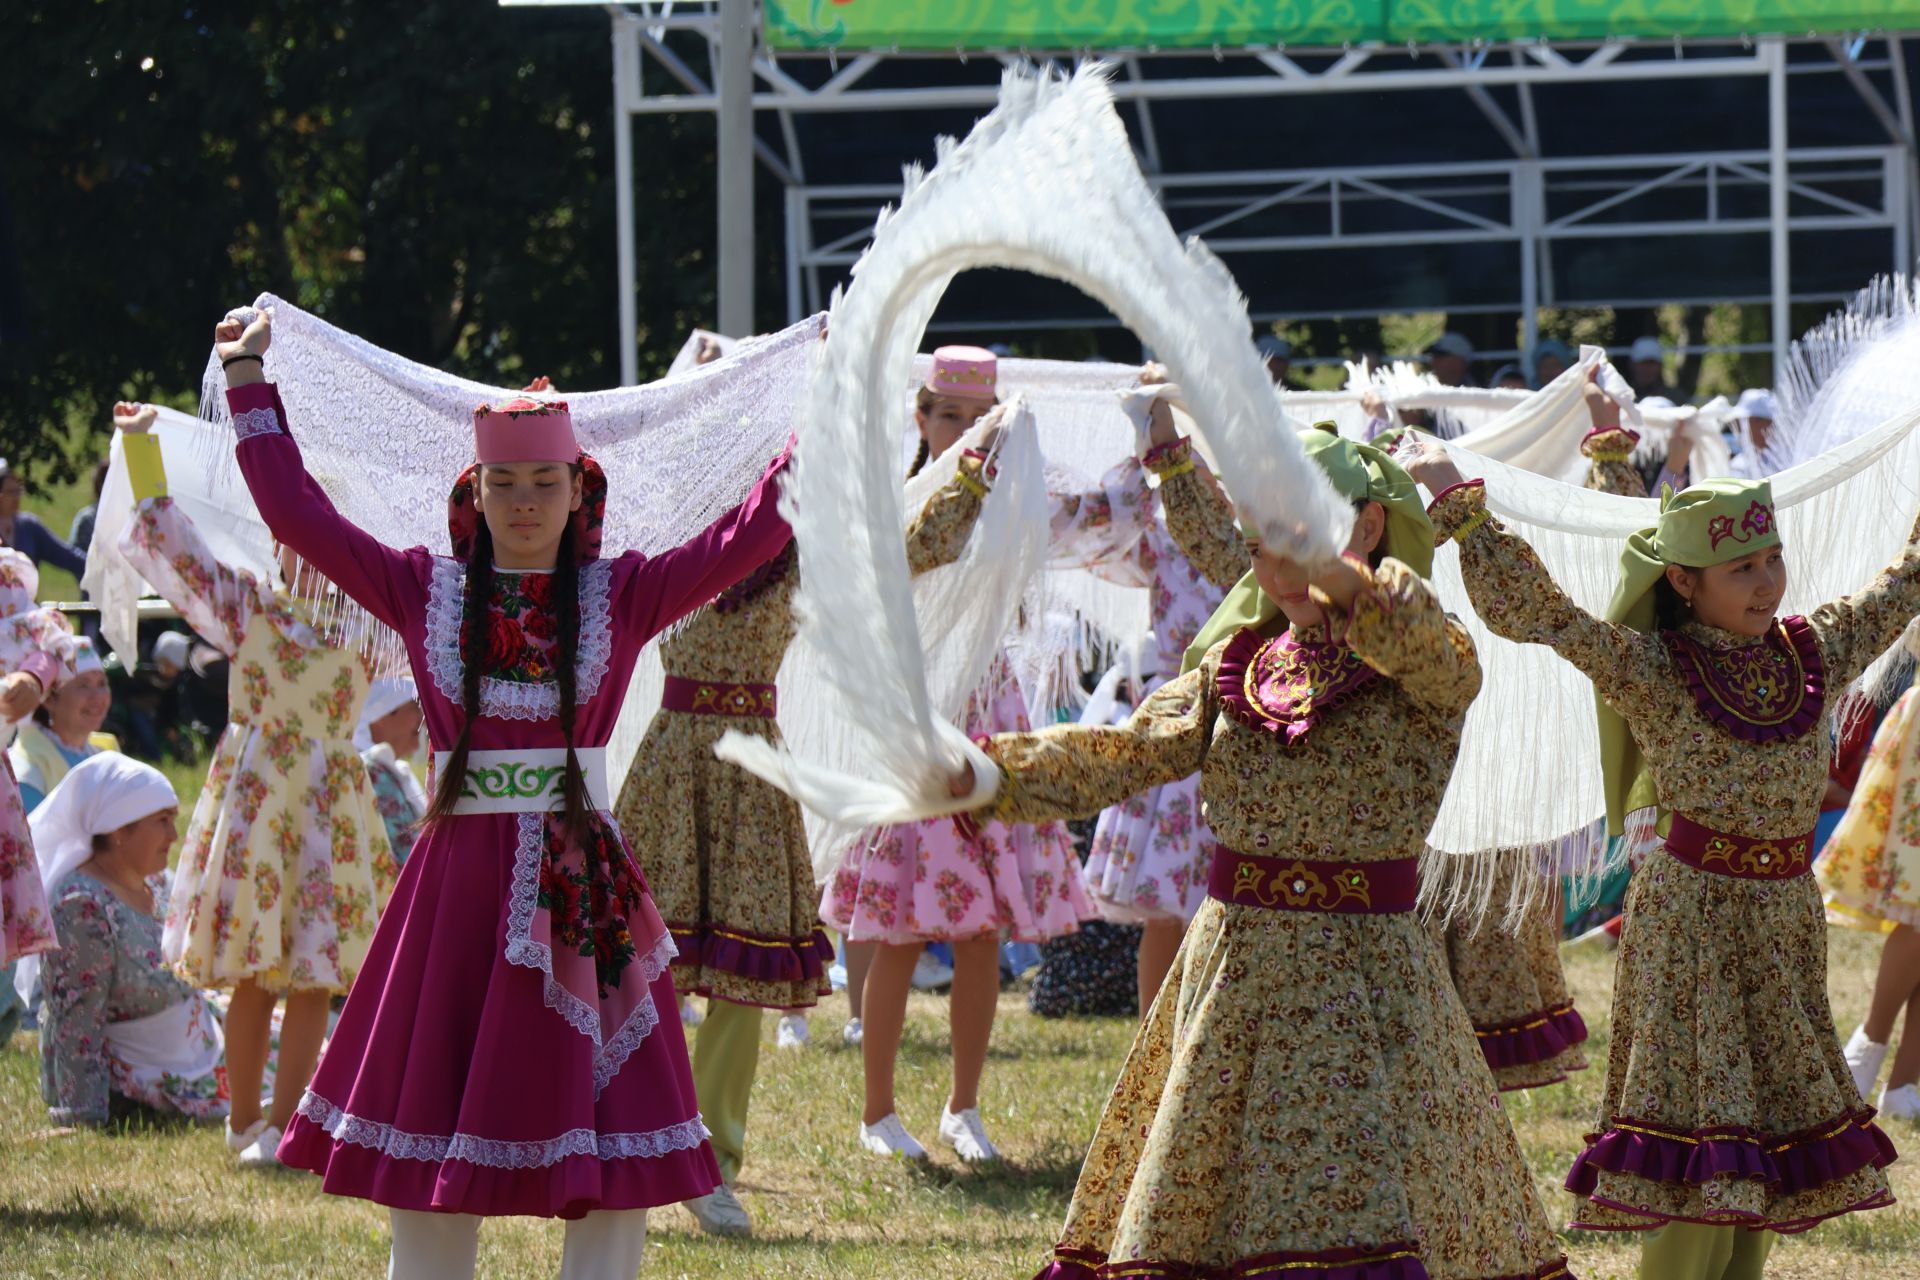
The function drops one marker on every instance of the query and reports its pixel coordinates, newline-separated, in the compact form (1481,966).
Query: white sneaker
(1902,1103)
(690,1014)
(967,1135)
(263,1152)
(720,1213)
(238,1142)
(929,974)
(792,1033)
(853,1033)
(890,1138)
(1863,1059)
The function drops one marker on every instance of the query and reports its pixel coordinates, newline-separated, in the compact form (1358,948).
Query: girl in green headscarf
(1304,1097)
(1729,1113)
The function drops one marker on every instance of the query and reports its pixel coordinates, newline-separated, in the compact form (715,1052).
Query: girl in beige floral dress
(286,863)
(1305,1100)
(1729,1113)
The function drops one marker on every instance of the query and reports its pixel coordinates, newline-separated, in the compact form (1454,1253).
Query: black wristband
(244,355)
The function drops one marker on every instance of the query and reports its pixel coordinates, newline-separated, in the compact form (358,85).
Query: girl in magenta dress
(504,1049)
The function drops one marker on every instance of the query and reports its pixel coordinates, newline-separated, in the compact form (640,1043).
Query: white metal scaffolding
(1541,200)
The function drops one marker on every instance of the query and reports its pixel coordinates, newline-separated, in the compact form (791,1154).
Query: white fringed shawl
(1529,770)
(1047,183)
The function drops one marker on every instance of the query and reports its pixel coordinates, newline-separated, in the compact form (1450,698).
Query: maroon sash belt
(1298,884)
(1743,857)
(718,698)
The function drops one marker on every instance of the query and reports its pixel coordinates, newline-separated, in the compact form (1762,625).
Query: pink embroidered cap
(524,430)
(970,373)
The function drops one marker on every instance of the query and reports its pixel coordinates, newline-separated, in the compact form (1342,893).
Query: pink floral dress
(924,881)
(1151,852)
(286,860)
(28,637)
(504,1051)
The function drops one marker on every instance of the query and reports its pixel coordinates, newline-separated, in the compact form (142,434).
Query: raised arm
(938,533)
(1396,625)
(1199,516)
(1857,628)
(1518,600)
(1070,771)
(1103,529)
(217,600)
(1609,452)
(294,507)
(667,587)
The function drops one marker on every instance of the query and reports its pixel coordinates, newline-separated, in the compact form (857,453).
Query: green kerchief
(1358,471)
(1703,525)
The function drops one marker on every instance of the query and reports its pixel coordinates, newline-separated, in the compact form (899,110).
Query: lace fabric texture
(510,699)
(492,1153)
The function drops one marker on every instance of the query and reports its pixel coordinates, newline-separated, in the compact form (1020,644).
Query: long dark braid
(473,658)
(566,611)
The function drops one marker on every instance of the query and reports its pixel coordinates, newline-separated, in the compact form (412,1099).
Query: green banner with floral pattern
(1133,24)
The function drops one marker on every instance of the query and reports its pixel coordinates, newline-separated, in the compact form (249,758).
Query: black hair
(1670,608)
(577,812)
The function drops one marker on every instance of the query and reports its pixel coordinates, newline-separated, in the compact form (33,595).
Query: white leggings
(604,1245)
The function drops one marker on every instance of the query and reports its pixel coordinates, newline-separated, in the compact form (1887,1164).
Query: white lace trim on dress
(494,1153)
(511,699)
(256,422)
(523,897)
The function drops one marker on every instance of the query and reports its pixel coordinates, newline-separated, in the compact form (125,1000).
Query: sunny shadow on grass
(152,1200)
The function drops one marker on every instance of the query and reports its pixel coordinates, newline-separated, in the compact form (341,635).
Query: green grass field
(166,1202)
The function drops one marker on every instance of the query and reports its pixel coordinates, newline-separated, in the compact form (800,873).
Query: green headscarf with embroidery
(1703,525)
(1358,472)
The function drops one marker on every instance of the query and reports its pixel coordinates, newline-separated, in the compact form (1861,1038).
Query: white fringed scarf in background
(1046,183)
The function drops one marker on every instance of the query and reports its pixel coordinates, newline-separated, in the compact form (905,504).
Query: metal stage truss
(1519,221)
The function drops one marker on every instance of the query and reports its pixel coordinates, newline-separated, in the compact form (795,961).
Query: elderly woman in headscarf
(387,737)
(65,728)
(118,1030)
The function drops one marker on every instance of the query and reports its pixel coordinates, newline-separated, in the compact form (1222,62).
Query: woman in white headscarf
(117,1027)
(65,728)
(387,738)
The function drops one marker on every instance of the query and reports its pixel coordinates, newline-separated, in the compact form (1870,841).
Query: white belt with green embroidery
(525,779)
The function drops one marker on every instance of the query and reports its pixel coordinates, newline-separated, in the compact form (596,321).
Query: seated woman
(117,1028)
(387,738)
(65,728)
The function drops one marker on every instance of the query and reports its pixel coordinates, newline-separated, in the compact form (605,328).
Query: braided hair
(474,653)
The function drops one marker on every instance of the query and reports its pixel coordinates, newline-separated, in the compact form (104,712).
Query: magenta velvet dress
(483,1064)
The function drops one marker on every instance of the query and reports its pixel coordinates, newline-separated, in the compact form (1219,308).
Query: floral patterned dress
(1150,853)
(286,861)
(504,1051)
(1727,1099)
(927,882)
(1305,1098)
(398,797)
(726,854)
(1869,872)
(28,636)
(108,973)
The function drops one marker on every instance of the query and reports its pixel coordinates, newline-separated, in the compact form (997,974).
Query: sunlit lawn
(166,1202)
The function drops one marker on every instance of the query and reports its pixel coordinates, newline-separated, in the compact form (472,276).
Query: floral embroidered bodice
(1758,689)
(519,681)
(1287,684)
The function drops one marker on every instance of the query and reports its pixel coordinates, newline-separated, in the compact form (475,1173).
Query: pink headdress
(524,430)
(970,373)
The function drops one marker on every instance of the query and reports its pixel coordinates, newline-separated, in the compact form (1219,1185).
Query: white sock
(605,1245)
(433,1246)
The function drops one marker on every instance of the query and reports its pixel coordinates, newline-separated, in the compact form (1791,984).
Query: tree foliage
(436,176)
